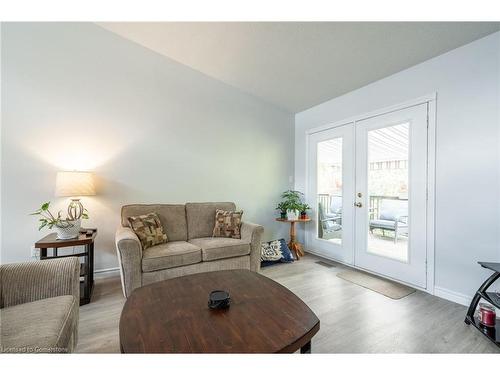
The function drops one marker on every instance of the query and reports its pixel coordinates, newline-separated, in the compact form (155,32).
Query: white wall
(467,82)
(75,96)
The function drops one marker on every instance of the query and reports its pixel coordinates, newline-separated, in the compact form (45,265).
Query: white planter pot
(68,229)
(292,214)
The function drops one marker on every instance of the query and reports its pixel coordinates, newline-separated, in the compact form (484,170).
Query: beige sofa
(190,247)
(39,306)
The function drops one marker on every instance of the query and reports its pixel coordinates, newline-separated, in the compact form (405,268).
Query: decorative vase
(292,214)
(68,229)
(283,215)
(303,215)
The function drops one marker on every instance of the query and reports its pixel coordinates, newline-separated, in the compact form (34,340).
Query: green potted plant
(303,210)
(292,200)
(65,228)
(282,207)
(293,210)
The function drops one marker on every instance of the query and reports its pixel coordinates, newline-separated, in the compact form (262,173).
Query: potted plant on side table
(291,205)
(282,208)
(293,201)
(303,211)
(65,228)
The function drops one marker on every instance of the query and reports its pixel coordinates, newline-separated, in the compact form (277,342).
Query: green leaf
(45,206)
(42,225)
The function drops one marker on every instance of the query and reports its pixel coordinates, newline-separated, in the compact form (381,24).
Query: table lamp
(74,184)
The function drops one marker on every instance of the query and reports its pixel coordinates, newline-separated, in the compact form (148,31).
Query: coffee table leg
(306,349)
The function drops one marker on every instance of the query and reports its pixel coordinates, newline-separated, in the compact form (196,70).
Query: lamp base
(75,209)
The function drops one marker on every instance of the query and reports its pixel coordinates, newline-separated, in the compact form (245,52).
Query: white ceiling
(297,65)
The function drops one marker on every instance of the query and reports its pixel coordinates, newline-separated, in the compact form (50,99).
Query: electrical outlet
(35,253)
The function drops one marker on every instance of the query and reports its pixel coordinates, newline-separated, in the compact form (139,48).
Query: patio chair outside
(393,217)
(328,224)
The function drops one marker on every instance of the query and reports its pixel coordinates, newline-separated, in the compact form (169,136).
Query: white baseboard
(450,295)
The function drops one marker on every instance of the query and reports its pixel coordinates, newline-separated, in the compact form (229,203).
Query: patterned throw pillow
(271,251)
(149,229)
(228,224)
(286,254)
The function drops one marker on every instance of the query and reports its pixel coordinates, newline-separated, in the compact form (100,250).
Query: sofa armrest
(129,250)
(253,234)
(33,281)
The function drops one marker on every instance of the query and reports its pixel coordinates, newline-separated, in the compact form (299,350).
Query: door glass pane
(388,151)
(329,172)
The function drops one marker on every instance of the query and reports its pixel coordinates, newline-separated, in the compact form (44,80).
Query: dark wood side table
(86,268)
(295,246)
(492,333)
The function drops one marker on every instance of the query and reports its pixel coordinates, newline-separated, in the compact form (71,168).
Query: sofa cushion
(213,248)
(393,209)
(41,326)
(172,217)
(148,229)
(201,217)
(170,255)
(385,224)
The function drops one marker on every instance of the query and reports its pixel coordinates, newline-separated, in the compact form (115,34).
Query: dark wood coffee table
(172,316)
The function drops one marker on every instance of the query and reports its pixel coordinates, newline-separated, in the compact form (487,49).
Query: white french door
(391,183)
(331,182)
(367,183)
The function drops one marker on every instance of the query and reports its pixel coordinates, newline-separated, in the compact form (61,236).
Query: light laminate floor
(353,319)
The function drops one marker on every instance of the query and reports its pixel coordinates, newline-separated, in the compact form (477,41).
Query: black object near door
(492,333)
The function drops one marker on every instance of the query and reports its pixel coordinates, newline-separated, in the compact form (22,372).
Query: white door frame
(431,101)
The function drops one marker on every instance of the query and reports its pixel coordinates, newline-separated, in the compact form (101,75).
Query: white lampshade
(74,184)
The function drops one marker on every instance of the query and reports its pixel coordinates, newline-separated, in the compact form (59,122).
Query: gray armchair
(39,306)
(393,216)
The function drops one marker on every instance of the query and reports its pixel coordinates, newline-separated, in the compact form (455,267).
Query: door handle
(358,204)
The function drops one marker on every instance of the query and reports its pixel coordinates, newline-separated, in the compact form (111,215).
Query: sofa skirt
(242,262)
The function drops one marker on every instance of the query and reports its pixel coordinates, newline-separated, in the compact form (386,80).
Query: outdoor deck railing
(374,205)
